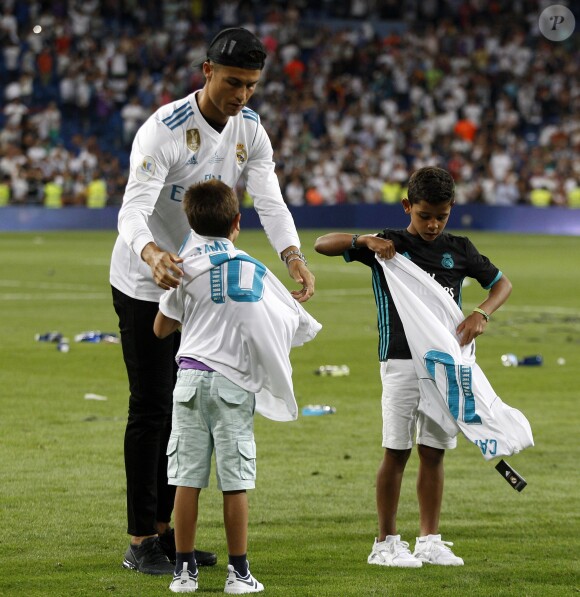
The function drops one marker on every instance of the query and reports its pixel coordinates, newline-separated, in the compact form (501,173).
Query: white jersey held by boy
(240,320)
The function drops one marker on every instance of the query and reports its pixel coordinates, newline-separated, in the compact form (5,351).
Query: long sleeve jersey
(175,148)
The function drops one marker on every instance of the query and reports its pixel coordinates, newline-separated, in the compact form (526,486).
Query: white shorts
(401,417)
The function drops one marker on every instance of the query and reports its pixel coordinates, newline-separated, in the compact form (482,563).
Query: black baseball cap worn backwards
(237,47)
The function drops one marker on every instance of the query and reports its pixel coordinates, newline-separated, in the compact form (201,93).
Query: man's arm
(264,187)
(150,160)
(298,270)
(163,264)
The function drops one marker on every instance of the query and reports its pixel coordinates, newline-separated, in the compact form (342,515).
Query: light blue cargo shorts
(210,411)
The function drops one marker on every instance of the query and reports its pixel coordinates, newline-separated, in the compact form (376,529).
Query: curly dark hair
(433,185)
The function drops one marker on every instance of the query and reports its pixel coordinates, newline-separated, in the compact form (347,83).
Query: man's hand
(163,264)
(299,272)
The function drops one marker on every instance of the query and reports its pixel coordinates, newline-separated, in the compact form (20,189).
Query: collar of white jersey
(197,249)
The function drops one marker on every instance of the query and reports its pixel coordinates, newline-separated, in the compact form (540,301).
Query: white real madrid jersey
(454,390)
(240,320)
(174,149)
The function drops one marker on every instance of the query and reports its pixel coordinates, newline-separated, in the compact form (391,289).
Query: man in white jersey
(209,134)
(238,325)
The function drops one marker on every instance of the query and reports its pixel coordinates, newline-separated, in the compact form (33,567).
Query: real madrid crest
(193,139)
(447,260)
(241,154)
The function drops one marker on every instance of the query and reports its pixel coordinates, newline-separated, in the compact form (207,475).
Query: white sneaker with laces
(238,585)
(432,550)
(393,552)
(184,582)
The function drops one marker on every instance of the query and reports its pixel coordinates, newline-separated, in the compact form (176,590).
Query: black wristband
(353,242)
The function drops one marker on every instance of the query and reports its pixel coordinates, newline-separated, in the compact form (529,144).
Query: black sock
(188,557)
(240,564)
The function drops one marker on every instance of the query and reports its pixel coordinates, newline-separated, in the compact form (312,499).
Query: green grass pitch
(312,518)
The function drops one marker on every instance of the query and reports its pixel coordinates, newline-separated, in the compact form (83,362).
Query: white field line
(554,309)
(35,285)
(326,295)
(342,268)
(339,294)
(96,261)
(36,291)
(69,296)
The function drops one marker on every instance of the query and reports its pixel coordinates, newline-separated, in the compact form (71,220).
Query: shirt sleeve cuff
(140,242)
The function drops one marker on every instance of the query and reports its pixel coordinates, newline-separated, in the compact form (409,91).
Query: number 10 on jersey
(456,388)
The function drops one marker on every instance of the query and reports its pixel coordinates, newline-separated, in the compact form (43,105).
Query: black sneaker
(167,543)
(205,558)
(148,558)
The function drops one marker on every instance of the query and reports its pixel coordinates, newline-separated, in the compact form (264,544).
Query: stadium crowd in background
(358,95)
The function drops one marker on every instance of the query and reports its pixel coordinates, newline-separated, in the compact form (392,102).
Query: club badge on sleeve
(146,169)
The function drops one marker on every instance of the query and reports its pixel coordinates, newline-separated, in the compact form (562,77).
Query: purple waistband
(189,363)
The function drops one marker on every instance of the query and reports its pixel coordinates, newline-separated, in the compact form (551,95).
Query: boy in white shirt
(238,325)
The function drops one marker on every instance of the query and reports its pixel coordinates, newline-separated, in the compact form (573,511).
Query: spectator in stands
(47,123)
(573,193)
(45,66)
(96,191)
(35,189)
(5,190)
(79,189)
(541,196)
(52,193)
(68,188)
(11,54)
(133,115)
(294,190)
(20,185)
(313,196)
(506,192)
(15,111)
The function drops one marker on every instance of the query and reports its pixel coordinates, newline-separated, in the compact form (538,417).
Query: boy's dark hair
(433,185)
(211,207)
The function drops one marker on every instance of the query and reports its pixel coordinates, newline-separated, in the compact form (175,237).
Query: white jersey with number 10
(240,320)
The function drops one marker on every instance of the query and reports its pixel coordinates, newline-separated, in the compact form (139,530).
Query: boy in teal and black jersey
(449,259)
